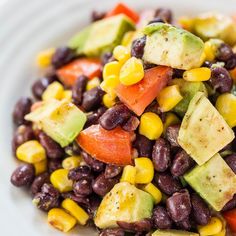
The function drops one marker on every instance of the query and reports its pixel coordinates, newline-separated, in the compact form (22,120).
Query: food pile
(131,130)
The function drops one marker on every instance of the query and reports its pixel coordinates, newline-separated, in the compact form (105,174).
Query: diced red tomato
(121,8)
(83,66)
(138,96)
(109,146)
(230,217)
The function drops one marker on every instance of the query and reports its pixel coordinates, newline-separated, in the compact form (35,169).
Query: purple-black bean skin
(161,219)
(39,181)
(112,171)
(131,124)
(83,186)
(143,145)
(230,205)
(79,173)
(137,48)
(112,232)
(224,52)
(231,161)
(78,89)
(172,133)
(165,14)
(96,165)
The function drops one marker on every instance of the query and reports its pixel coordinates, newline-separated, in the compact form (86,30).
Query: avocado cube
(173,232)
(60,120)
(203,131)
(124,202)
(214,181)
(169,46)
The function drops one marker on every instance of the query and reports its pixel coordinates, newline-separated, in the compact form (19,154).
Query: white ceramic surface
(26,27)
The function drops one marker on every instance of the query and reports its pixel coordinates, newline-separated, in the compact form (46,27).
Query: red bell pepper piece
(230,217)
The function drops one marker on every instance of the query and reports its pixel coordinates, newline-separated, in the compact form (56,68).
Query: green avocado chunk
(214,181)
(124,202)
(169,46)
(60,120)
(203,131)
(213,25)
(101,36)
(173,232)
(187,90)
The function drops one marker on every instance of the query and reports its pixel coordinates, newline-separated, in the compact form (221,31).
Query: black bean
(161,219)
(21,109)
(23,175)
(96,15)
(52,148)
(143,146)
(131,124)
(220,80)
(172,133)
(181,164)
(231,63)
(78,89)
(72,149)
(185,224)
(80,199)
(54,164)
(48,198)
(147,65)
(106,58)
(155,108)
(94,203)
(231,161)
(164,14)
(39,181)
(101,185)
(62,56)
(114,116)
(200,211)
(79,173)
(83,186)
(179,206)
(161,155)
(167,183)
(137,48)
(23,134)
(112,232)
(95,165)
(230,205)
(177,73)
(156,20)
(207,64)
(40,85)
(112,171)
(144,225)
(92,98)
(92,118)
(224,52)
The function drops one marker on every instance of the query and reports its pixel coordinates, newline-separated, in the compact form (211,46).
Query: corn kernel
(226,105)
(154,191)
(132,71)
(93,83)
(59,179)
(169,97)
(212,228)
(110,84)
(128,38)
(61,220)
(67,94)
(170,119)
(197,74)
(221,233)
(108,100)
(31,152)
(44,57)
(210,51)
(75,210)
(144,170)
(40,167)
(54,90)
(128,174)
(111,69)
(71,162)
(151,125)
(121,53)
(186,23)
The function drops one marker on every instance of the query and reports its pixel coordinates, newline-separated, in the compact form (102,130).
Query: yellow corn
(221,233)
(169,97)
(197,74)
(144,170)
(75,210)
(210,51)
(110,84)
(108,100)
(121,53)
(132,71)
(111,69)
(186,23)
(154,191)
(40,167)
(44,57)
(151,125)
(128,174)
(54,90)
(93,83)
(59,179)
(128,38)
(67,94)
(61,220)
(226,105)
(170,119)
(212,228)
(31,152)
(71,162)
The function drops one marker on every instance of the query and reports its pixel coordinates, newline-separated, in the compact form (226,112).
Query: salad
(131,128)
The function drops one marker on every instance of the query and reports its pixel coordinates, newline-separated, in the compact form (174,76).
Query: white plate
(28,26)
